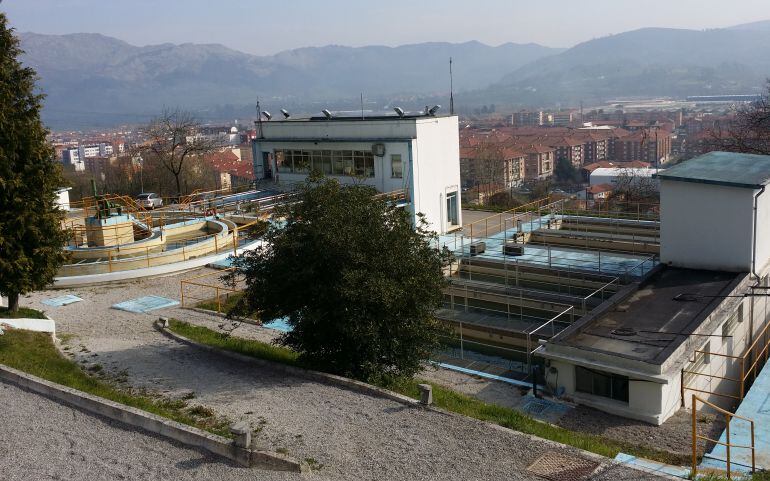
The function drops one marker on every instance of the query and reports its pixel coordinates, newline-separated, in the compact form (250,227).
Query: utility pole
(451,90)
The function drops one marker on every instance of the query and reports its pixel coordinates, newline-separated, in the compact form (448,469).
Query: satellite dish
(267,114)
(399,111)
(433,110)
(285,113)
(326,113)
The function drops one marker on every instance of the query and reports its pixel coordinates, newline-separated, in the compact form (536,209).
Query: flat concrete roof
(648,324)
(722,168)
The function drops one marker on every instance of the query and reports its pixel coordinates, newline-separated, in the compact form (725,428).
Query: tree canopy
(356,281)
(31,235)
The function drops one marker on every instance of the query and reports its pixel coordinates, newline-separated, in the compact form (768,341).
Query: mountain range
(92,79)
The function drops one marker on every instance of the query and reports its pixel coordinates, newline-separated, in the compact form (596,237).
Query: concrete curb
(322,377)
(363,388)
(182,433)
(222,315)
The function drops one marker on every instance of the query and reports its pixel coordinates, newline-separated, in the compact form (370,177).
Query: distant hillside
(761,25)
(91,79)
(646,62)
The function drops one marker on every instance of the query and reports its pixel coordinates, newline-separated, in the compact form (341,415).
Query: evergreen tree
(31,235)
(354,278)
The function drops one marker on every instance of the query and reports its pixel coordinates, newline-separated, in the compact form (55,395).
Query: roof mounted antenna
(451,90)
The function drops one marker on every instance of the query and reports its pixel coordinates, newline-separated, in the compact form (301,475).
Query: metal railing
(727,444)
(537,329)
(761,342)
(500,222)
(121,259)
(217,291)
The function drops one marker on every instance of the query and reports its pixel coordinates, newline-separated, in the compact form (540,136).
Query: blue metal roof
(723,168)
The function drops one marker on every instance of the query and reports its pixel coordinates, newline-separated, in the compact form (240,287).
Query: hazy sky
(265,27)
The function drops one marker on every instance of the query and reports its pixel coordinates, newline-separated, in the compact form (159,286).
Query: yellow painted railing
(727,444)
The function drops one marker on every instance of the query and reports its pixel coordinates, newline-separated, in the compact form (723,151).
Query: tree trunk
(13,302)
(178,187)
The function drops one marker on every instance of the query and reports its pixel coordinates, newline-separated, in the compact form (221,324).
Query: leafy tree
(31,235)
(357,282)
(565,172)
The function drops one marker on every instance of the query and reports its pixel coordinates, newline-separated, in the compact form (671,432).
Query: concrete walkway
(353,436)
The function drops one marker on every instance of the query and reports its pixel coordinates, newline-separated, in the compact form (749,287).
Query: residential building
(539,163)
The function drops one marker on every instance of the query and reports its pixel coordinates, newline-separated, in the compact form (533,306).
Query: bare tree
(749,132)
(490,168)
(633,191)
(174,139)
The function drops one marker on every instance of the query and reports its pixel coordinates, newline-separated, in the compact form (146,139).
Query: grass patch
(22,313)
(256,349)
(34,353)
(443,398)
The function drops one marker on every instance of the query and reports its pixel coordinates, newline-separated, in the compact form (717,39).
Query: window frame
(617,386)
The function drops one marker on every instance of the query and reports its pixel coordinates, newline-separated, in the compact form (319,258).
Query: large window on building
(329,162)
(600,383)
(451,209)
(396,168)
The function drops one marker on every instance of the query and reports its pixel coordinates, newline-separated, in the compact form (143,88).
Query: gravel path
(44,440)
(354,437)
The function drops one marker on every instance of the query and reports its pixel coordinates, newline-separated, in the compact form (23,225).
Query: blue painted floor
(610,263)
(62,301)
(755,406)
(145,304)
(278,325)
(653,466)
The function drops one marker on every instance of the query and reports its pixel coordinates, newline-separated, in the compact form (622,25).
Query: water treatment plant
(637,310)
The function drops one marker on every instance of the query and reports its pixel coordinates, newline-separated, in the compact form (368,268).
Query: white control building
(416,154)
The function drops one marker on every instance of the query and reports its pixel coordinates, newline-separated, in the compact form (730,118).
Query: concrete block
(241,434)
(426,394)
(478,248)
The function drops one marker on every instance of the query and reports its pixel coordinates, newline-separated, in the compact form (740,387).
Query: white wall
(63,199)
(436,170)
(352,129)
(706,226)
